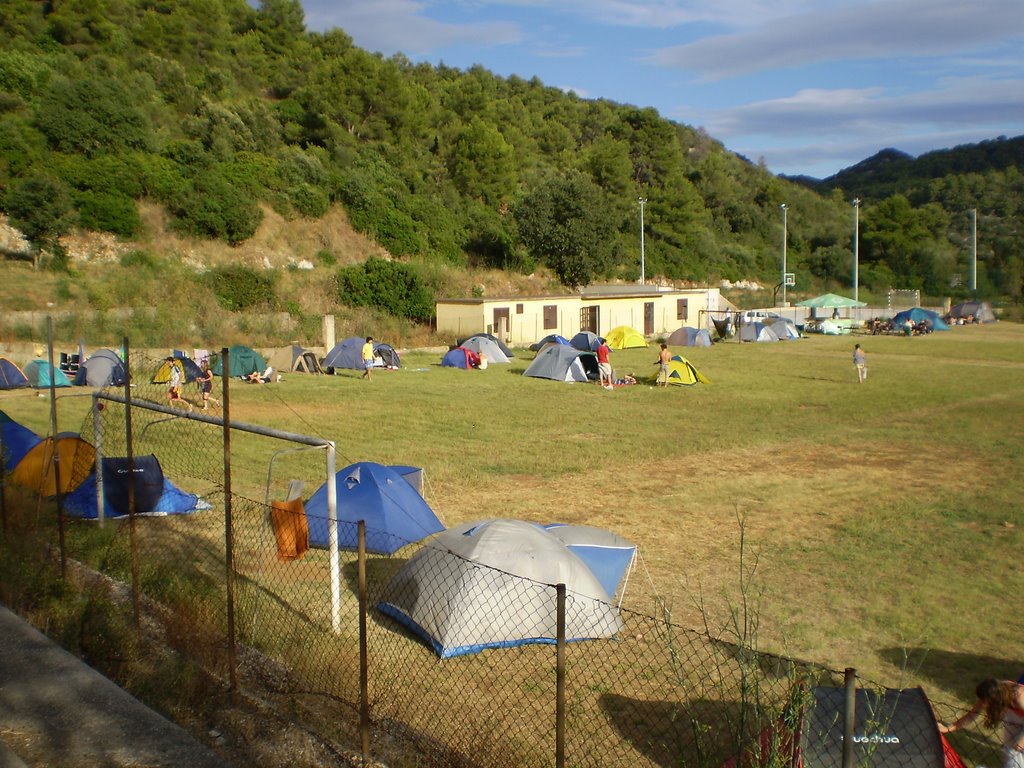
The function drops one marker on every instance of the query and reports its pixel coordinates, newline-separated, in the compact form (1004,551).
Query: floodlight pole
(784,208)
(642,201)
(856,246)
(974,249)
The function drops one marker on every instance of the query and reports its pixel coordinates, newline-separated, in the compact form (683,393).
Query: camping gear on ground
(551,338)
(562,363)
(485,347)
(607,555)
(757,332)
(830,301)
(15,440)
(460,357)
(689,337)
(917,314)
(394,512)
(75,458)
(11,376)
(682,373)
(103,368)
(242,361)
(489,584)
(501,344)
(586,341)
(40,373)
(981,311)
(624,337)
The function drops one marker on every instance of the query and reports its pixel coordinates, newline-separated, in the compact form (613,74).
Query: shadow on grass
(954,670)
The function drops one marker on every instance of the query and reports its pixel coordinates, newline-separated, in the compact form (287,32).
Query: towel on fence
(291,529)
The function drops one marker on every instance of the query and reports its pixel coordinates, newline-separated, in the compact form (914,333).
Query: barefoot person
(1000,701)
(860,360)
(664,358)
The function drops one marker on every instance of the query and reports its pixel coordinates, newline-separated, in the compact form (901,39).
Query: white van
(755,316)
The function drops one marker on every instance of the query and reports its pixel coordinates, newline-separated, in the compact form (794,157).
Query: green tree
(391,286)
(93,115)
(567,224)
(40,207)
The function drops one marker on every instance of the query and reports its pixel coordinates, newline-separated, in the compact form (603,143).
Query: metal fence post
(130,456)
(560,678)
(55,458)
(229,538)
(849,715)
(364,671)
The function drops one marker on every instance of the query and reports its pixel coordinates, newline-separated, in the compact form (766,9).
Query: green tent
(241,362)
(829,301)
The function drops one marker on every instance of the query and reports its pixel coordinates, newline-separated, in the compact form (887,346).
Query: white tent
(490,584)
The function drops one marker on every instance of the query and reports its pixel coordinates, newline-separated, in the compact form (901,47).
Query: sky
(809,87)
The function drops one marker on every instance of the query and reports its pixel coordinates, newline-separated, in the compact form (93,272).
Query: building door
(501,323)
(648,318)
(590,319)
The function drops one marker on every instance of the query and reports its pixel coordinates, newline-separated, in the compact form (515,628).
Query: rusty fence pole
(229,537)
(849,715)
(560,678)
(55,457)
(130,458)
(364,662)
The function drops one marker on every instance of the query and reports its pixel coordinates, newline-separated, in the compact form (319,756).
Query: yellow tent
(681,372)
(625,337)
(35,470)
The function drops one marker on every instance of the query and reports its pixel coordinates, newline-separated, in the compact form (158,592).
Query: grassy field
(886,516)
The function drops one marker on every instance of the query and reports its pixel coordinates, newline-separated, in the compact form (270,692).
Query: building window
(682,309)
(550,317)
(519,309)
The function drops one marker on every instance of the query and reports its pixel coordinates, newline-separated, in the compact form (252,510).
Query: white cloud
(891,28)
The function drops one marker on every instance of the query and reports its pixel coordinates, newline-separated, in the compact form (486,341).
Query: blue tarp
(394,512)
(81,502)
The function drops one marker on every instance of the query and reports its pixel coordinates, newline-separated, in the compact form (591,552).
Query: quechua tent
(187,369)
(608,555)
(682,373)
(757,332)
(242,361)
(40,373)
(551,338)
(501,345)
(460,357)
(485,346)
(624,337)
(981,311)
(561,363)
(103,368)
(586,341)
(35,470)
(917,314)
(394,512)
(17,440)
(689,337)
(489,584)
(11,376)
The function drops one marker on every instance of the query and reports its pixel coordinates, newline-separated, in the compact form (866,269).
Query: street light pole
(785,237)
(642,200)
(856,247)
(974,249)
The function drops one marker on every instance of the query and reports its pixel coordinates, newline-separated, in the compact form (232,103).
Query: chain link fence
(391,650)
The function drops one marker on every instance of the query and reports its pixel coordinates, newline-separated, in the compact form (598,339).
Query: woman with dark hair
(1001,701)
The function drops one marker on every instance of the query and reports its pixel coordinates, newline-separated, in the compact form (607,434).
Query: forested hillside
(213,109)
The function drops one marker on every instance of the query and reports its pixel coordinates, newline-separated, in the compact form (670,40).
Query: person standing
(1001,701)
(367,357)
(664,358)
(604,365)
(860,360)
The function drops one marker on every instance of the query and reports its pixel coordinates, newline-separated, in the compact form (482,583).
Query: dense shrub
(105,212)
(214,208)
(309,201)
(391,286)
(238,287)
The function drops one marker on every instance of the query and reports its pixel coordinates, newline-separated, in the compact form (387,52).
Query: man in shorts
(367,357)
(604,366)
(664,358)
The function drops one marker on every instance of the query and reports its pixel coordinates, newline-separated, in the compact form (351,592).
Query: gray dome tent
(488,584)
(561,363)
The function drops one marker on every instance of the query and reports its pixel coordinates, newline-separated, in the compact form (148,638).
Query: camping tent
(39,374)
(917,314)
(501,345)
(624,337)
(16,440)
(103,368)
(11,376)
(242,361)
(393,509)
(460,357)
(484,346)
(682,372)
(385,356)
(186,367)
(757,332)
(551,338)
(980,310)
(346,354)
(784,328)
(830,301)
(689,337)
(586,341)
(35,470)
(294,358)
(562,363)
(155,495)
(607,555)
(489,584)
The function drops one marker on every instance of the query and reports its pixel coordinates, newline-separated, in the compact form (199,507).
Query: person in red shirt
(604,366)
